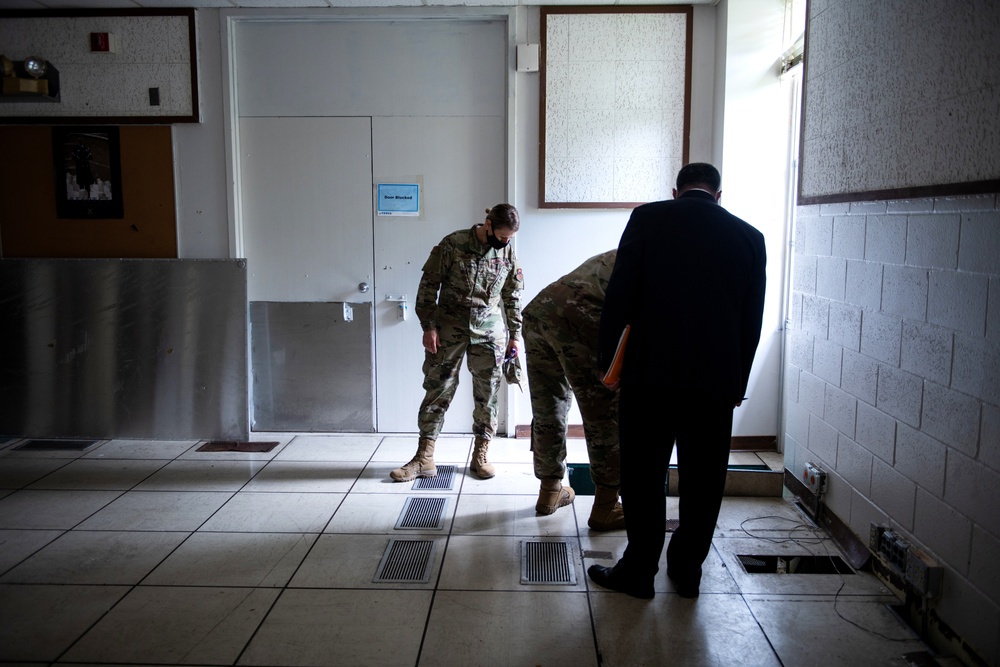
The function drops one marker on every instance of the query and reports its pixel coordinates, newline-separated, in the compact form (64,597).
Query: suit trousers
(650,423)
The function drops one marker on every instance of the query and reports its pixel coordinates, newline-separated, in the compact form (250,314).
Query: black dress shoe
(686,588)
(613,578)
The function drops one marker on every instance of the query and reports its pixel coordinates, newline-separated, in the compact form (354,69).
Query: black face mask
(494,242)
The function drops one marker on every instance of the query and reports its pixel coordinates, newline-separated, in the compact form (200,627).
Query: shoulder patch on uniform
(520,275)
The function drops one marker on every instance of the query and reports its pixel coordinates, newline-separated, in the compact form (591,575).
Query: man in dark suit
(689,279)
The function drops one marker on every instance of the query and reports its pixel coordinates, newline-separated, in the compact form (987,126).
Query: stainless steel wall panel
(145,348)
(312,370)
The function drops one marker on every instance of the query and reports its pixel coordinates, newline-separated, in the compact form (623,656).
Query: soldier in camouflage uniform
(471,283)
(560,338)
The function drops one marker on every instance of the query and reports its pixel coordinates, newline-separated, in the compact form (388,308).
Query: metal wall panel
(312,367)
(110,348)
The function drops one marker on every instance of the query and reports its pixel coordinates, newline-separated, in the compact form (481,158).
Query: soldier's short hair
(504,216)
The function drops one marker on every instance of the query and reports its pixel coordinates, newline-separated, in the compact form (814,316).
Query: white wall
(754,186)
(200,156)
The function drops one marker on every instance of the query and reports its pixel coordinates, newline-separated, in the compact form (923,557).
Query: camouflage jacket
(467,284)
(577,298)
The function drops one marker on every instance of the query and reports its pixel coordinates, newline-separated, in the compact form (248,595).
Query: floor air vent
(445,479)
(57,445)
(755,564)
(226,446)
(405,562)
(422,513)
(546,563)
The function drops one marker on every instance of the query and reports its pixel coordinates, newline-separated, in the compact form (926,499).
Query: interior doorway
(330,347)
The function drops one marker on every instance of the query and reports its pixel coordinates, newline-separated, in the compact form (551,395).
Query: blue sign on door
(398,199)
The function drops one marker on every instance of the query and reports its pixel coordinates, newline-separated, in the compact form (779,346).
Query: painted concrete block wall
(893,382)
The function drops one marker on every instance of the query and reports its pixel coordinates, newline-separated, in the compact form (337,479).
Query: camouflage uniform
(560,339)
(478,287)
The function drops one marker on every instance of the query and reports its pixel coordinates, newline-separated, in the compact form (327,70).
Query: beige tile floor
(152,553)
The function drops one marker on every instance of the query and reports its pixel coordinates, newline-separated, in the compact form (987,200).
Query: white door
(459,165)
(368,102)
(307,236)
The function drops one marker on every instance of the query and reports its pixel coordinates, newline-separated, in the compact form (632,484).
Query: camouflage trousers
(441,381)
(561,364)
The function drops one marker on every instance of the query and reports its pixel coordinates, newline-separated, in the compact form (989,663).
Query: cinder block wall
(893,383)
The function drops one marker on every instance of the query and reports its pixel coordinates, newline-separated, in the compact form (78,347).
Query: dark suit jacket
(689,278)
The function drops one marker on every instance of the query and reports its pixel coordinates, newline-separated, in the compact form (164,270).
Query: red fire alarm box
(101,42)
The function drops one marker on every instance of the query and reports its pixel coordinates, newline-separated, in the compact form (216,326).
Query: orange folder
(614,373)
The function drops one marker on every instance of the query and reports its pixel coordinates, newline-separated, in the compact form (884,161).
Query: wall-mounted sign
(398,199)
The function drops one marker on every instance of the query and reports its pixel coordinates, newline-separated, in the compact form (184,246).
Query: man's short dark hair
(699,174)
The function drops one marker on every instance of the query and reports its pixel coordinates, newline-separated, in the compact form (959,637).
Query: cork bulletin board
(900,103)
(31,225)
(615,104)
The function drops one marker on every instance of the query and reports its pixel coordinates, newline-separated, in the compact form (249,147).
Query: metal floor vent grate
(405,562)
(422,513)
(57,445)
(228,446)
(752,563)
(546,563)
(445,479)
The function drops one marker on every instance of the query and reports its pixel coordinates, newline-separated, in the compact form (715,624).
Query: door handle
(362,287)
(400,301)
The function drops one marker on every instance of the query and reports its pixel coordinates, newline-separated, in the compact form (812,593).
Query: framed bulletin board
(114,66)
(899,104)
(615,104)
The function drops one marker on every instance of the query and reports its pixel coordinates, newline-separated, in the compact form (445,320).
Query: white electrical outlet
(814,478)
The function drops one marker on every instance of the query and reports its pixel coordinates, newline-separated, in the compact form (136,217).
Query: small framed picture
(87,164)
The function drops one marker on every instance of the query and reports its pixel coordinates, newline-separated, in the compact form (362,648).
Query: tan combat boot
(607,512)
(421,465)
(480,465)
(552,496)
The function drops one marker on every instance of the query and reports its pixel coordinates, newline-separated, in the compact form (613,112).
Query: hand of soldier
(431,340)
(512,349)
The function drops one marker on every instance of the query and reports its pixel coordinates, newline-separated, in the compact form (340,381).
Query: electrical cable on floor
(798,525)
(813,541)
